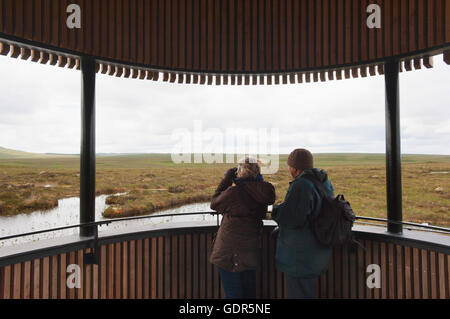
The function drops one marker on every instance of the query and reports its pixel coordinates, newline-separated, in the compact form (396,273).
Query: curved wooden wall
(192,41)
(175,264)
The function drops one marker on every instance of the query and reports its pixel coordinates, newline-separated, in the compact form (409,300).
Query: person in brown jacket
(237,248)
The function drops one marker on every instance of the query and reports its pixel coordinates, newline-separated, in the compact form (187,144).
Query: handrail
(109,221)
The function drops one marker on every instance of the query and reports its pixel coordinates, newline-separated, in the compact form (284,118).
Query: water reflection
(67,213)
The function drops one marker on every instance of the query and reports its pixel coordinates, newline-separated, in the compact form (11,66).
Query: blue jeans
(300,288)
(239,285)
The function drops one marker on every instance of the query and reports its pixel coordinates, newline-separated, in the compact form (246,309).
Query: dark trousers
(239,285)
(300,288)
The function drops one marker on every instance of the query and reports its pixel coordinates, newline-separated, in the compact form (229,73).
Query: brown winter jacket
(237,246)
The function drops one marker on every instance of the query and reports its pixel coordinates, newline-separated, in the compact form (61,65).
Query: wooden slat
(404,26)
(154,268)
(167,267)
(417,284)
(384,270)
(400,269)
(282,32)
(391,271)
(132,270)
(408,272)
(376,294)
(433,276)
(202,265)
(348,31)
(174,267)
(111,271)
(424,274)
(6,282)
(124,273)
(442,277)
(189,267)
(139,267)
(146,269)
(160,263)
(102,276)
(182,267)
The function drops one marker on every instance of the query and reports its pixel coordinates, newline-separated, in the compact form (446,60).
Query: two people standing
(237,248)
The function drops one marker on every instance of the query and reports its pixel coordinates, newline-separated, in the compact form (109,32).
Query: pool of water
(68,211)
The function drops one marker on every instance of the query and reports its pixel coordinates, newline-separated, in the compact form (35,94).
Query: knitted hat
(301,159)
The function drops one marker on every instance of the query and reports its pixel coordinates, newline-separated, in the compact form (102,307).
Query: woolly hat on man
(301,159)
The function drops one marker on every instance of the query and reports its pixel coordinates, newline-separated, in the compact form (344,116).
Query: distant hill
(6,153)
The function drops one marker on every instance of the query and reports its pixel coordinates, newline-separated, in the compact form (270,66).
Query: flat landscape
(152,182)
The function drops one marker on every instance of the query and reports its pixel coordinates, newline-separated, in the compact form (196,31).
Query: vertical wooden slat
(225,34)
(54,277)
(325,32)
(45,278)
(421,23)
(333,32)
(255,36)
(384,270)
(396,27)
(139,266)
(202,265)
(175,267)
(160,263)
(95,281)
(196,35)
(117,271)
(296,34)
(210,21)
(16,283)
(408,272)
(146,269)
(239,36)
(348,30)
(417,284)
(433,276)
(376,261)
(268,23)
(387,7)
(62,276)
(6,282)
(167,267)
(182,267)
(311,35)
(353,274)
(189,270)
(110,271)
(431,22)
(247,40)
(412,25)
(282,33)
(424,273)
(442,276)
(195,265)
(400,264)
(102,276)
(340,46)
(132,270)
(345,273)
(168,33)
(216,24)
(391,271)
(87,279)
(26,280)
(154,268)
(404,26)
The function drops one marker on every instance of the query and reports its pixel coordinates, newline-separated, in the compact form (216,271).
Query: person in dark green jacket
(298,254)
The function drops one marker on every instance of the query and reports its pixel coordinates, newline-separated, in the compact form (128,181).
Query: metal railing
(116,220)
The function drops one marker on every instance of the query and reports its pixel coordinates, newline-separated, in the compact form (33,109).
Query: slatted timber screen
(176,266)
(190,37)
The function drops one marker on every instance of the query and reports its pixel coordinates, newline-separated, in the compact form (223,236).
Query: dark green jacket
(298,253)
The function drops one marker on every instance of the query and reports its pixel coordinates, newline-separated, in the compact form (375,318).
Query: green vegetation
(152,182)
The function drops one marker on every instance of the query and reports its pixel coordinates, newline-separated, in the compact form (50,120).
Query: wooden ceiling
(228,41)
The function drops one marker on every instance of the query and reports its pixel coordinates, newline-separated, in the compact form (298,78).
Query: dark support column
(393,153)
(87,155)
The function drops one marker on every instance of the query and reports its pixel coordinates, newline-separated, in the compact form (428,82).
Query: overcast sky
(40,112)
